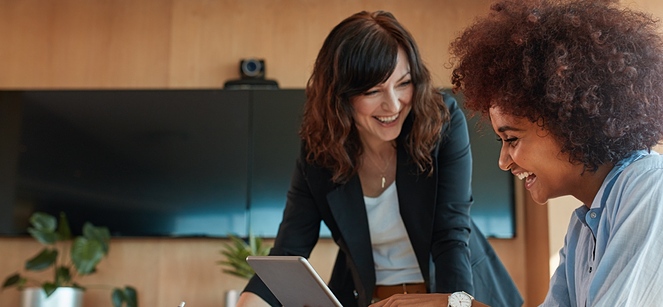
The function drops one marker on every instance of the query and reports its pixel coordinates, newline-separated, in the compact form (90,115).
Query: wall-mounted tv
(175,163)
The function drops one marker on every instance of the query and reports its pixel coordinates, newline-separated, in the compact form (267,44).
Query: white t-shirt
(395,261)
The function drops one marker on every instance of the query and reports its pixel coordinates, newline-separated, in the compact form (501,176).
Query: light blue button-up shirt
(613,251)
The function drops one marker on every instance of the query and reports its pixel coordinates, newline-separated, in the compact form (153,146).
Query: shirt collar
(599,199)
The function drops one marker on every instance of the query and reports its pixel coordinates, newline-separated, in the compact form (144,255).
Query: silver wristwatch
(460,299)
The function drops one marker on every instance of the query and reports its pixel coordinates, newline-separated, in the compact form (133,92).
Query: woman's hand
(250,299)
(415,300)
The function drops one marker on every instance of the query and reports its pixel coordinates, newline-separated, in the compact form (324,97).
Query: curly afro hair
(590,72)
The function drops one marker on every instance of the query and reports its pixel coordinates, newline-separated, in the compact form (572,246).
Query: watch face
(460,299)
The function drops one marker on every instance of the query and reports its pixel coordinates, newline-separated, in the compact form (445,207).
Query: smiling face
(532,154)
(379,113)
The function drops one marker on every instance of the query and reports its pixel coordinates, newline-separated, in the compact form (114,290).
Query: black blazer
(452,253)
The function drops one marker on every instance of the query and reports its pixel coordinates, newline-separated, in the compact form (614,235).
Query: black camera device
(252,69)
(252,76)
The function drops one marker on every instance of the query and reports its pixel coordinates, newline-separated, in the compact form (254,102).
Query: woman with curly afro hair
(574,91)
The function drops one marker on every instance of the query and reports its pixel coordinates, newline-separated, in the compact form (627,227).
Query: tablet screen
(293,281)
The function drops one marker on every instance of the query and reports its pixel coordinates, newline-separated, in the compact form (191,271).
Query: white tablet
(293,281)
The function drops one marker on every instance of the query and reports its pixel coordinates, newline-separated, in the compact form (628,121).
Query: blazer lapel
(417,207)
(347,206)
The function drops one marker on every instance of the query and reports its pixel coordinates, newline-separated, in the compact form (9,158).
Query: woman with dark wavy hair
(574,91)
(385,164)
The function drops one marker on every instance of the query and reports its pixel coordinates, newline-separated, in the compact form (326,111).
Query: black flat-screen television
(174,163)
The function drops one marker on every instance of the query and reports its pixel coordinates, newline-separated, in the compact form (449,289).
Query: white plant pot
(231,298)
(62,297)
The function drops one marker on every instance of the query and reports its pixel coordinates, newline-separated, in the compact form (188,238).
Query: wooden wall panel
(193,43)
(84,44)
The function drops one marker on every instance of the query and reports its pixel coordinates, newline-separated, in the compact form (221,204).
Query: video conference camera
(252,76)
(252,69)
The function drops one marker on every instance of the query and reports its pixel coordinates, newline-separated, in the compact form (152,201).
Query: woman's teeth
(524,175)
(387,120)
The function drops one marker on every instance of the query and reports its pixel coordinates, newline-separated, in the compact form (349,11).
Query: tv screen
(143,163)
(175,163)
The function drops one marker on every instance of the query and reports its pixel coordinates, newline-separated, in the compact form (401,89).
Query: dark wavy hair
(358,54)
(588,71)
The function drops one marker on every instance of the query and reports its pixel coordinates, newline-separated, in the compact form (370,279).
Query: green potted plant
(68,256)
(236,252)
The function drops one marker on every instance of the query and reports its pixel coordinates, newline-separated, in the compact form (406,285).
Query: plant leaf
(86,254)
(49,288)
(127,295)
(64,231)
(43,221)
(117,296)
(46,238)
(62,276)
(12,280)
(42,261)
(43,228)
(236,252)
(131,296)
(100,234)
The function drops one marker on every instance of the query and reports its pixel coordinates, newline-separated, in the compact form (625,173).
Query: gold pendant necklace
(383,171)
